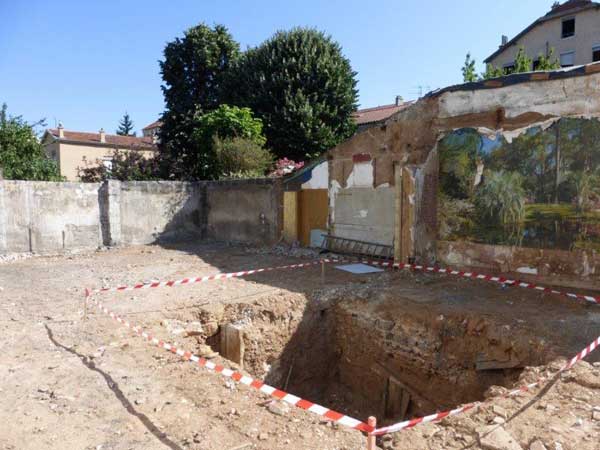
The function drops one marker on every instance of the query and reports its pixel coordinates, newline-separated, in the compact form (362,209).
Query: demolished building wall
(403,156)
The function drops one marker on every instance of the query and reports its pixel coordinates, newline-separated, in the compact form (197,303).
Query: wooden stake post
(370,437)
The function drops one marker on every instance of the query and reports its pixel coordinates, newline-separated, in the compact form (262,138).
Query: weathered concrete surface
(567,268)
(365,213)
(159,211)
(245,211)
(48,217)
(45,217)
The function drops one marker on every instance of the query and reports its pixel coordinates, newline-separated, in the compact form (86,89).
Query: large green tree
(302,87)
(21,154)
(192,70)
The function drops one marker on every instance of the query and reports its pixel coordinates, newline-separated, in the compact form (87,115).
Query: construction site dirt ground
(66,383)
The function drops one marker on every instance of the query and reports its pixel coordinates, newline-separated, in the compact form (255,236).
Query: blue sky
(87,62)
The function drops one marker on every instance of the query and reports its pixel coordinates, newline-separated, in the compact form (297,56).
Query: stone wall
(44,217)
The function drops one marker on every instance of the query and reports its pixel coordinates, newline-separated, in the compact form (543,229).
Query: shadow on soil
(114,387)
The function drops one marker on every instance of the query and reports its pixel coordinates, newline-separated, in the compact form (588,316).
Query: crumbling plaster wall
(361,173)
(410,136)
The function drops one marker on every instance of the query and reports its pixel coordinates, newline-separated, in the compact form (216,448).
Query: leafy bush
(125,166)
(21,154)
(587,187)
(501,198)
(229,122)
(454,217)
(199,161)
(241,157)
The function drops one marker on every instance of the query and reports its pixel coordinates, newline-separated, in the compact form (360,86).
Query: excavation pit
(394,352)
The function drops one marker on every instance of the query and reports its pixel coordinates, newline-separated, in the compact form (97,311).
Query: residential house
(572,29)
(75,149)
(372,117)
(152,129)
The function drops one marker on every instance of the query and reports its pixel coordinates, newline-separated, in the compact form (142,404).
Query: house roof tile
(131,142)
(378,113)
(155,124)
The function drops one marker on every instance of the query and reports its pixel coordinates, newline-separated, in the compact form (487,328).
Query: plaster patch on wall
(361,175)
(528,270)
(588,269)
(363,213)
(319,177)
(334,189)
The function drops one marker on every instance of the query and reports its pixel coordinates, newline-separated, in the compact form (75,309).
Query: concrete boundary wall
(45,217)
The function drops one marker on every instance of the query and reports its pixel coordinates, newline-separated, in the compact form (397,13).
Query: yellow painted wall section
(290,216)
(72,156)
(314,208)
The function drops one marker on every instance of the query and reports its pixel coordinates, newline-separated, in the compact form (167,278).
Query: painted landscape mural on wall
(540,190)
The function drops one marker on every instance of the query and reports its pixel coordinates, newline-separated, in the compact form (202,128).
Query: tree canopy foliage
(523,63)
(193,71)
(125,126)
(468,71)
(21,154)
(225,122)
(302,87)
(240,157)
(298,83)
(124,166)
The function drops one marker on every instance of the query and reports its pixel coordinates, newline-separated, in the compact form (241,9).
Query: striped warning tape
(193,280)
(442,415)
(312,407)
(400,266)
(239,377)
(480,276)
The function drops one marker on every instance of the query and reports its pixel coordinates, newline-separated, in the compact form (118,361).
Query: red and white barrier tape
(193,280)
(392,265)
(241,378)
(317,409)
(442,415)
(480,276)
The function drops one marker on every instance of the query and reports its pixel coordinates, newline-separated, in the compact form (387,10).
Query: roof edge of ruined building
(519,78)
(561,11)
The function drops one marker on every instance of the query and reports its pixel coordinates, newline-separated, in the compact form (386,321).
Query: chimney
(399,100)
(102,136)
(504,40)
(61,131)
